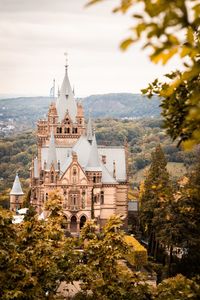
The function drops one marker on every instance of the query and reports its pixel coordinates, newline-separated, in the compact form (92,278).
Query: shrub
(137,255)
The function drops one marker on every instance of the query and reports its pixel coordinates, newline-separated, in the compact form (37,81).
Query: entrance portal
(73,224)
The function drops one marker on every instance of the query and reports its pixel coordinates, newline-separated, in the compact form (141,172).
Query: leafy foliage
(157,191)
(105,275)
(137,255)
(169,28)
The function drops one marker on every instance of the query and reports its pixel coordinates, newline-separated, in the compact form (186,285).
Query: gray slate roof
(106,176)
(66,101)
(16,188)
(93,163)
(83,150)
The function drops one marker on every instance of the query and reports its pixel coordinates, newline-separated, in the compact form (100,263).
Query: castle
(91,179)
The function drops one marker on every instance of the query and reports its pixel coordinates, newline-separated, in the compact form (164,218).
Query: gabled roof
(116,154)
(52,157)
(106,176)
(93,161)
(16,188)
(66,101)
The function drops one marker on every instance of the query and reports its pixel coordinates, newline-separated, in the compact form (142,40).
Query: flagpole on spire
(54,83)
(52,90)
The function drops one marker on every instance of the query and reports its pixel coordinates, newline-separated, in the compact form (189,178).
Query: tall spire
(16,188)
(93,161)
(89,130)
(52,158)
(66,100)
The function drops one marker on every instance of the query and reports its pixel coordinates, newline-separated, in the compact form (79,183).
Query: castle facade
(91,179)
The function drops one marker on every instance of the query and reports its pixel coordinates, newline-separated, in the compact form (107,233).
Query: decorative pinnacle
(66,59)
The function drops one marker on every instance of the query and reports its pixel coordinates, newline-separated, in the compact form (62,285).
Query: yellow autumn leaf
(163,57)
(126,43)
(190,36)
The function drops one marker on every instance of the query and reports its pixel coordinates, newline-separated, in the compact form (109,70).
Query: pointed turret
(16,195)
(89,130)
(16,188)
(93,161)
(66,100)
(52,157)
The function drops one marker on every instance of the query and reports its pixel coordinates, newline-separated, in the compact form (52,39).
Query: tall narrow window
(102,197)
(74,173)
(83,199)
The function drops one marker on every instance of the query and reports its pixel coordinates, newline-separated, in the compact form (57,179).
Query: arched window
(82,221)
(73,224)
(74,174)
(59,129)
(74,130)
(67,130)
(102,197)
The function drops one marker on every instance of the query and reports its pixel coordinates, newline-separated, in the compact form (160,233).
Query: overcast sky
(34,34)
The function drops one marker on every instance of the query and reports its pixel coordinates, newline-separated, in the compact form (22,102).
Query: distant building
(92,179)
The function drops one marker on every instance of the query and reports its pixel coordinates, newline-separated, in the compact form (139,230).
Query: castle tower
(65,117)
(16,195)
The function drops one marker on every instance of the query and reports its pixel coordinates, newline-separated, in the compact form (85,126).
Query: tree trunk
(156,249)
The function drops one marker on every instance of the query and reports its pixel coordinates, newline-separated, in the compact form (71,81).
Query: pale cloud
(34,35)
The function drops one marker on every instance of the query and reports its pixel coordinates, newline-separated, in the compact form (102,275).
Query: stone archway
(73,224)
(82,221)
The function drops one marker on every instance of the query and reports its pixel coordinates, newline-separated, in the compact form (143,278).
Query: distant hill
(121,105)
(23,112)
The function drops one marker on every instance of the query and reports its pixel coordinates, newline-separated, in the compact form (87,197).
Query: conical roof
(93,161)
(89,130)
(66,101)
(52,157)
(16,188)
